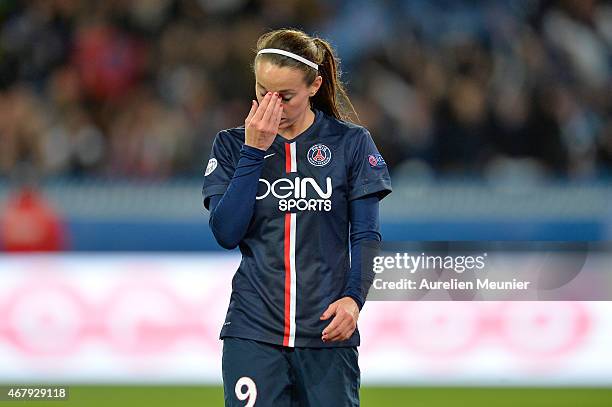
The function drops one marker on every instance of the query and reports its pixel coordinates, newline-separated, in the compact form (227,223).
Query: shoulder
(235,135)
(346,128)
(355,139)
(228,142)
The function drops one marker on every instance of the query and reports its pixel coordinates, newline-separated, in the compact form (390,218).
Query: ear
(316,84)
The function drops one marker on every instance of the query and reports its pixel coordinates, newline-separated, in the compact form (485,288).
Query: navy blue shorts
(279,376)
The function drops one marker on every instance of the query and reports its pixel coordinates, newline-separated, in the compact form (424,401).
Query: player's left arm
(369,182)
(364,227)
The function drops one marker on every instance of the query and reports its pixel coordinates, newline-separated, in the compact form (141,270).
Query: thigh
(255,374)
(326,376)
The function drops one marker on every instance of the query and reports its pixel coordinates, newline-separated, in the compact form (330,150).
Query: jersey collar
(310,130)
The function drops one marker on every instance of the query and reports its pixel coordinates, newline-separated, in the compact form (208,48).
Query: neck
(299,126)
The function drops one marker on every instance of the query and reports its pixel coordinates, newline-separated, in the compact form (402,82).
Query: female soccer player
(291,188)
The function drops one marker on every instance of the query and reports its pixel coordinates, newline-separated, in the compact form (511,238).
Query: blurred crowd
(448,88)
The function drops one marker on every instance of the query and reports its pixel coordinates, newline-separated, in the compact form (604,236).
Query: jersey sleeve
(219,169)
(368,173)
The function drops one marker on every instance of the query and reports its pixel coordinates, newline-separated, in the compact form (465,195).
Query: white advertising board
(155,318)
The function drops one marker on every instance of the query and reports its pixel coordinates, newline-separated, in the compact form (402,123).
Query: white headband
(290,55)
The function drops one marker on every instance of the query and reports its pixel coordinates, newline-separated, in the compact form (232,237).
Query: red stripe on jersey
(287,157)
(287,278)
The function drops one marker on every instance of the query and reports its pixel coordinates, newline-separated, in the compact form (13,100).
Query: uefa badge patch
(212,164)
(376,161)
(319,155)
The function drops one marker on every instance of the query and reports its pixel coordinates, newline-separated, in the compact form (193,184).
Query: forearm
(364,228)
(230,213)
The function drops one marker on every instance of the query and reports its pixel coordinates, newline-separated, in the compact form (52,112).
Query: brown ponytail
(331,98)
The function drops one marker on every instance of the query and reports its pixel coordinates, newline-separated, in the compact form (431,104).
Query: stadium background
(495,120)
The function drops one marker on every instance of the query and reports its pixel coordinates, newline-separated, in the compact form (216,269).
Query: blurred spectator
(28,223)
(451,87)
(109,62)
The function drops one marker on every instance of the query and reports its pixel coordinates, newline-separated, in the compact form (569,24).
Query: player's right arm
(231,208)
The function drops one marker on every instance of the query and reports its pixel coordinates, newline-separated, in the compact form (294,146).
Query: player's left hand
(344,323)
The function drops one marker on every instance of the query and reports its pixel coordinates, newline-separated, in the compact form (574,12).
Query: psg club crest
(319,155)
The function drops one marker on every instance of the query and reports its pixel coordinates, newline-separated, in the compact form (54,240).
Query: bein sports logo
(294,193)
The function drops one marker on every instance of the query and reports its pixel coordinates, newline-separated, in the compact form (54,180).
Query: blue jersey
(295,254)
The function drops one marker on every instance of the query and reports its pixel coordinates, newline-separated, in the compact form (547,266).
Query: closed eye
(285,99)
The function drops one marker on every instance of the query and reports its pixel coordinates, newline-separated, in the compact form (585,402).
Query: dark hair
(331,98)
